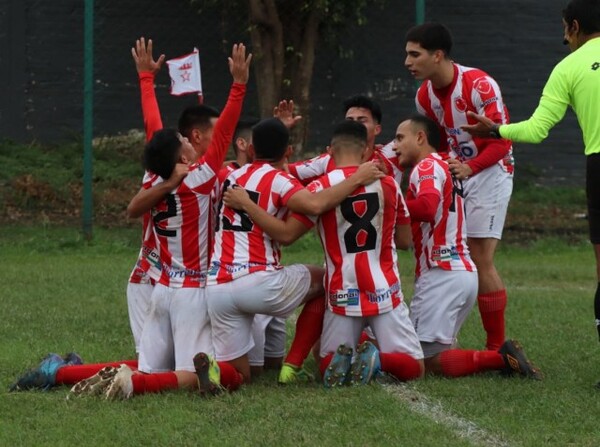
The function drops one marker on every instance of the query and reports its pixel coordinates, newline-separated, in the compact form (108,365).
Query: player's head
(196,123)
(367,112)
(415,138)
(270,140)
(349,139)
(242,137)
(581,18)
(166,148)
(427,47)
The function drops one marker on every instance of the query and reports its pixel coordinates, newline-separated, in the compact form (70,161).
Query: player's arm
(147,68)
(283,231)
(305,202)
(550,110)
(403,236)
(239,67)
(147,198)
(424,207)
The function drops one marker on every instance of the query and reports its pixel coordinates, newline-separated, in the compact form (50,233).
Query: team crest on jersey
(440,253)
(343,298)
(426,164)
(460,104)
(482,85)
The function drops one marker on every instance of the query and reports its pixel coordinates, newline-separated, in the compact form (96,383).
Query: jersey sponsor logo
(231,268)
(488,101)
(440,253)
(343,298)
(426,177)
(460,104)
(383,294)
(453,130)
(183,273)
(482,85)
(151,256)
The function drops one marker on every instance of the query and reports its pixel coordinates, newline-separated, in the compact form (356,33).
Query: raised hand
(142,56)
(239,64)
(480,129)
(285,112)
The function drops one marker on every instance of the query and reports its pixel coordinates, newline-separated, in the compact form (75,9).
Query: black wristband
(495,131)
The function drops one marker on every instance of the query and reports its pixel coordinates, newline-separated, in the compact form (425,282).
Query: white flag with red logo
(185,74)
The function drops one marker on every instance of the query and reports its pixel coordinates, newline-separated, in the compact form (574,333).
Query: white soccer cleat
(121,386)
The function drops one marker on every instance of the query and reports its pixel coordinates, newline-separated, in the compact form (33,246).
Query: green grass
(61,293)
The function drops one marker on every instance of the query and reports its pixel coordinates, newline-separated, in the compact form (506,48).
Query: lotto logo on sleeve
(344,298)
(444,253)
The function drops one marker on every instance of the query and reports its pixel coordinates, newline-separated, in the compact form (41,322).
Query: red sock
(230,377)
(154,383)
(364,337)
(308,331)
(324,363)
(71,374)
(401,365)
(459,362)
(491,308)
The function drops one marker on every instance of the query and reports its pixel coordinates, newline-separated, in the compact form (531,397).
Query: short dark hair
(162,152)
(196,117)
(270,139)
(349,132)
(364,102)
(243,130)
(430,127)
(586,12)
(431,36)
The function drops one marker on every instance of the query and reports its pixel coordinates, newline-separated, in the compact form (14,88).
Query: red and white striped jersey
(362,276)
(309,170)
(227,169)
(183,223)
(443,242)
(472,90)
(241,247)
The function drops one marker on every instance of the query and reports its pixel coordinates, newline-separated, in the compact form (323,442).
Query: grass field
(61,294)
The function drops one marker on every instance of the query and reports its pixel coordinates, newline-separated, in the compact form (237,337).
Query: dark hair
(243,130)
(349,132)
(196,117)
(586,12)
(270,139)
(431,36)
(364,103)
(161,152)
(432,131)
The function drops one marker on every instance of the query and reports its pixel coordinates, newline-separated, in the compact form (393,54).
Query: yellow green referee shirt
(575,81)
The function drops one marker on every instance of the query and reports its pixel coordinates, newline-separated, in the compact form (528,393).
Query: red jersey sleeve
(150,110)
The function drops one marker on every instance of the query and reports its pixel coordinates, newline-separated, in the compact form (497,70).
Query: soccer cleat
(95,384)
(72,358)
(336,373)
(209,375)
(42,377)
(121,385)
(366,365)
(516,360)
(293,374)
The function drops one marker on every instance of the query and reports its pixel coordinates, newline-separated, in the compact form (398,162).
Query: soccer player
(575,81)
(485,165)
(246,277)
(367,112)
(362,283)
(445,275)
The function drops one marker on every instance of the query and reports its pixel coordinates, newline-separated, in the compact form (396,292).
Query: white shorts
(269,335)
(138,306)
(486,201)
(441,303)
(177,328)
(394,332)
(232,305)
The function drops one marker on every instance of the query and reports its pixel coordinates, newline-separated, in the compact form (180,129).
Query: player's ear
(329,150)
(251,152)
(439,55)
(377,129)
(289,152)
(242,144)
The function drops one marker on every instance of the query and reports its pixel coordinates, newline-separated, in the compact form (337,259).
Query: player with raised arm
(445,275)
(246,276)
(485,165)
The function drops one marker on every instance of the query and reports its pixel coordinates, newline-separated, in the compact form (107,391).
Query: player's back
(242,247)
(358,240)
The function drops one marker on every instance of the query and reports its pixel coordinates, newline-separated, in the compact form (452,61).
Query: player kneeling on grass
(446,277)
(246,276)
(362,283)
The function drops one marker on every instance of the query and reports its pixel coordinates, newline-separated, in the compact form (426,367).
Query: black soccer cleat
(517,362)
(208,374)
